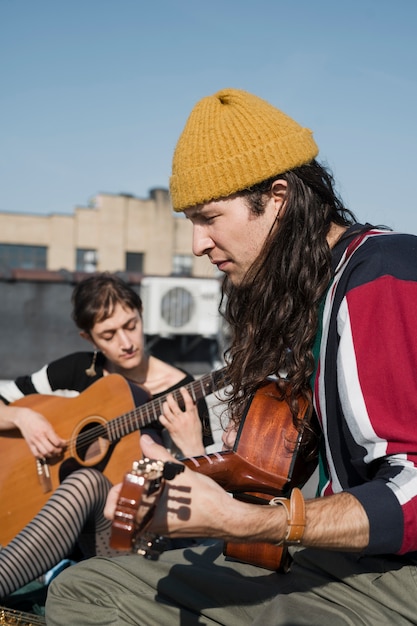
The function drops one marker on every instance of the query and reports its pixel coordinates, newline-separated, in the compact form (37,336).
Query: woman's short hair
(94,299)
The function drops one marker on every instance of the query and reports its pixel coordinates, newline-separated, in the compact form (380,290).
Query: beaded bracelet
(296,517)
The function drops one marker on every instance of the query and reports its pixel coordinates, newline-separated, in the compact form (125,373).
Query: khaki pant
(197,586)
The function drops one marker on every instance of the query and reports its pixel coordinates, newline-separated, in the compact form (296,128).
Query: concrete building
(115,233)
(42,257)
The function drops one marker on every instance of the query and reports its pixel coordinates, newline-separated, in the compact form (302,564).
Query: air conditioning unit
(180,306)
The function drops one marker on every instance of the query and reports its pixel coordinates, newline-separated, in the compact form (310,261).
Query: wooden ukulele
(269,459)
(101,426)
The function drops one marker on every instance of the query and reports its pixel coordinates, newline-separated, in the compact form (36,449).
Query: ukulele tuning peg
(172,469)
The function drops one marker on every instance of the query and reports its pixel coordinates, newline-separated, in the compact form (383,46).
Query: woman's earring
(91,371)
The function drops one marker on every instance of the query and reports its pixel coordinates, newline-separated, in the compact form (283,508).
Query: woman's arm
(39,434)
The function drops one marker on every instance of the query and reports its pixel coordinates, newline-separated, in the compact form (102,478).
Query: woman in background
(109,315)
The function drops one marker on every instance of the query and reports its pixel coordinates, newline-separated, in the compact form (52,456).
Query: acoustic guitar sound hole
(92,442)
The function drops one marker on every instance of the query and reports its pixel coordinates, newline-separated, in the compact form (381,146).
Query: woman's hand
(39,434)
(185,426)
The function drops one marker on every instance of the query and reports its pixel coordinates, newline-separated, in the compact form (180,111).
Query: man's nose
(202,243)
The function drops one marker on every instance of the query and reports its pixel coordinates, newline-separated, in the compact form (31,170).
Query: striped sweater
(366,383)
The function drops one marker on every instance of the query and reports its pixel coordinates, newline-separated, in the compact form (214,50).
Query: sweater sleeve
(65,376)
(377,382)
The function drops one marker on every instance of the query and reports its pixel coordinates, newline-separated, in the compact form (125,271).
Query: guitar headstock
(141,489)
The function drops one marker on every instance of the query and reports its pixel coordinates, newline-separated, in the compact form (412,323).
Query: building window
(23,257)
(182,265)
(134,262)
(86,260)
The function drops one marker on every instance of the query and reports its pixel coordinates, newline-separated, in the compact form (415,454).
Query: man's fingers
(153,450)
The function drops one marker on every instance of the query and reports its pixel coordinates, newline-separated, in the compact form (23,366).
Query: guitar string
(152,409)
(131,421)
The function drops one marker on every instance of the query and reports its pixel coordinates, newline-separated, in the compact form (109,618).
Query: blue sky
(94,93)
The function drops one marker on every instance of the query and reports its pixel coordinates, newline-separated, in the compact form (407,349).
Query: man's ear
(279,190)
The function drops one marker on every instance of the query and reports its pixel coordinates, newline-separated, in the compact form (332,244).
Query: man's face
(229,234)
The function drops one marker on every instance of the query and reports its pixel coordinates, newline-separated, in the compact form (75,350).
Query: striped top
(67,377)
(366,383)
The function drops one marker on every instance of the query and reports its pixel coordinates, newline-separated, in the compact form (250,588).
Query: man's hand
(111,502)
(193,505)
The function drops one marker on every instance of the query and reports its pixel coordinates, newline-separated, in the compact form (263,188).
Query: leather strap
(296,516)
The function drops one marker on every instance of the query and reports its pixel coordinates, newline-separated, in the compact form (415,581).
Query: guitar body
(101,427)
(26,485)
(269,459)
(280,453)
(268,439)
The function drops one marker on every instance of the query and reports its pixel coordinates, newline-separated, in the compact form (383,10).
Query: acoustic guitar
(101,426)
(270,458)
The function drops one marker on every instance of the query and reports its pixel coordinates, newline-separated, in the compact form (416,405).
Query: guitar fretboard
(149,412)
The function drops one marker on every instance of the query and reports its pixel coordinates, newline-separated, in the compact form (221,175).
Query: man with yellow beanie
(323,308)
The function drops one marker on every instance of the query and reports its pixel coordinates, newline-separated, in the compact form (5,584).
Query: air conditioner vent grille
(180,305)
(177,307)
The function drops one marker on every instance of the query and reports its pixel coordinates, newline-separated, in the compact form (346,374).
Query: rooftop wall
(36,325)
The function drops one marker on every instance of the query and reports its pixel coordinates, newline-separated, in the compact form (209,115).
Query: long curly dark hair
(273,314)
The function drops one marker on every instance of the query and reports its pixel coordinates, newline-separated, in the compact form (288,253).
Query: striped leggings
(73,515)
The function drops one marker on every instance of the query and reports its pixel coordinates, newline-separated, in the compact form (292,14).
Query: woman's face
(120,337)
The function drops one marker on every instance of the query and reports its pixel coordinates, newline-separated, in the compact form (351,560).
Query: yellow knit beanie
(233,140)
